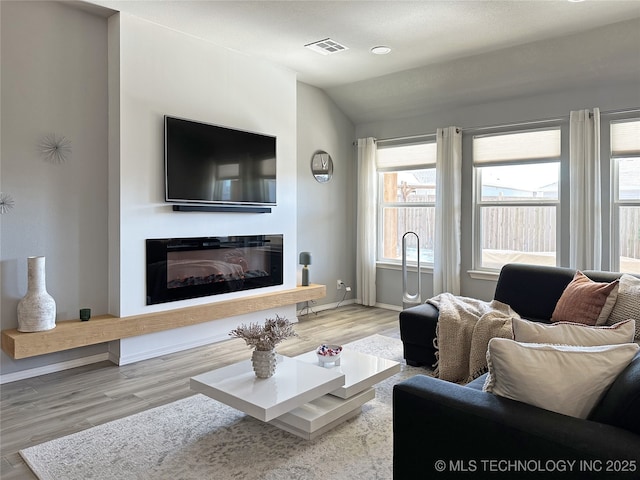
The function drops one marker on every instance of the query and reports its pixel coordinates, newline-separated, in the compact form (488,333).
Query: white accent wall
(162,71)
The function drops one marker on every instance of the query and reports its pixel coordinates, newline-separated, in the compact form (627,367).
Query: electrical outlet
(339,284)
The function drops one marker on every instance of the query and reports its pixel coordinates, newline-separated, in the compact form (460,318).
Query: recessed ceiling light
(381,50)
(326,46)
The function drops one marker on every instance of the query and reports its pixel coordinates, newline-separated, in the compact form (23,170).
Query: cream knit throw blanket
(465,326)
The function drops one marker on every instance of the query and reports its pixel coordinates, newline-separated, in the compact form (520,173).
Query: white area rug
(199,438)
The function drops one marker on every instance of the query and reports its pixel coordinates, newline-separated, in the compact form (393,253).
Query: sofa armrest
(417,331)
(418,324)
(434,420)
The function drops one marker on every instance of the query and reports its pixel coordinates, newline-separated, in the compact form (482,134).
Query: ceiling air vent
(326,46)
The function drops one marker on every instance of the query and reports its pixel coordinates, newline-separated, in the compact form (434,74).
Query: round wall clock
(322,166)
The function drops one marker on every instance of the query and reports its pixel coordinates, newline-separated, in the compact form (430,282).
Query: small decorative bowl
(329,354)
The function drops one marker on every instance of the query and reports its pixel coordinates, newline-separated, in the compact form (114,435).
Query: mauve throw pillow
(582,300)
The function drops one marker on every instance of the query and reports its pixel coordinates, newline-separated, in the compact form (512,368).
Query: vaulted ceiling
(442,50)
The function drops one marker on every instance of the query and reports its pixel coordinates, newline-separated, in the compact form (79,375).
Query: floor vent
(326,46)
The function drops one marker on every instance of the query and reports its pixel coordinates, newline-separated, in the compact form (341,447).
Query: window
(625,215)
(517,200)
(407,182)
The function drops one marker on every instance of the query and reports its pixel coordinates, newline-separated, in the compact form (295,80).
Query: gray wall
(326,211)
(538,81)
(613,95)
(52,82)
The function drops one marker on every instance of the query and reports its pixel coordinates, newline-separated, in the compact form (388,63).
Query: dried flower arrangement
(265,337)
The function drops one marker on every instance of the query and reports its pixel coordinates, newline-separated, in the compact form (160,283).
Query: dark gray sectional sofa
(531,290)
(445,430)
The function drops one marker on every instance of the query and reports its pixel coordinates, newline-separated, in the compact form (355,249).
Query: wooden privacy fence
(522,229)
(422,221)
(630,232)
(526,229)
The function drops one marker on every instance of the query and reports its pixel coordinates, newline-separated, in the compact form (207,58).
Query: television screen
(207,163)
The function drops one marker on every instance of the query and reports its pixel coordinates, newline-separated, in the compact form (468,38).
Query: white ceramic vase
(264,363)
(37,309)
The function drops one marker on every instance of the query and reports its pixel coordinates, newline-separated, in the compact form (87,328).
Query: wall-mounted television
(211,164)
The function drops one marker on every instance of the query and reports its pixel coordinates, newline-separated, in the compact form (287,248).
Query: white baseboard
(387,306)
(325,306)
(165,350)
(134,349)
(54,367)
(330,306)
(120,358)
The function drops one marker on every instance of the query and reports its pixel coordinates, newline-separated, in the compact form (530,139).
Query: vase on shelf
(37,309)
(264,363)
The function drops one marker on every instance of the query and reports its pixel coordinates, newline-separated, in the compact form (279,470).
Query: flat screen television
(211,164)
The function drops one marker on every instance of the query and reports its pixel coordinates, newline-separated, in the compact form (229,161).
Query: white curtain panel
(366,222)
(446,262)
(585,237)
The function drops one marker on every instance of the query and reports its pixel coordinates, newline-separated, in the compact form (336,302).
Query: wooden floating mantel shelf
(105,328)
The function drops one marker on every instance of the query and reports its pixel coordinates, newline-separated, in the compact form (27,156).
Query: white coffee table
(294,384)
(361,372)
(360,369)
(303,397)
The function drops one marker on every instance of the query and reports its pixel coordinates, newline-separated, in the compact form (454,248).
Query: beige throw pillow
(628,303)
(583,300)
(607,308)
(566,333)
(561,378)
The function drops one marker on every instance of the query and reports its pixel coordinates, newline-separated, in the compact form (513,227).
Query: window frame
(382,205)
(479,204)
(615,202)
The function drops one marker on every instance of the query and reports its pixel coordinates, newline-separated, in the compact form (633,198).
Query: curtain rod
(517,124)
(547,120)
(409,137)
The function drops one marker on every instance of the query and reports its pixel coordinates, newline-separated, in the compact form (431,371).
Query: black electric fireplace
(181,268)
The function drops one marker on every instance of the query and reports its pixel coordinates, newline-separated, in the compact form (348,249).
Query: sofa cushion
(620,405)
(532,290)
(627,303)
(530,373)
(582,301)
(478,383)
(567,333)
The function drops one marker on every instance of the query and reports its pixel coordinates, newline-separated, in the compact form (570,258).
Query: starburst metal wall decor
(6,203)
(55,148)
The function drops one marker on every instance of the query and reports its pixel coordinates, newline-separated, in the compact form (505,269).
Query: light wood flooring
(50,406)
